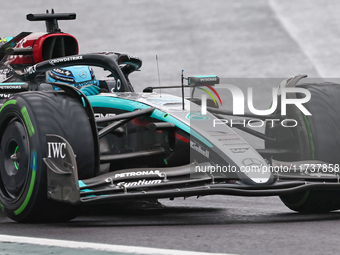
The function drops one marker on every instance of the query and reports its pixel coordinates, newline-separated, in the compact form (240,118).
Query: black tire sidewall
(8,111)
(320,140)
(324,123)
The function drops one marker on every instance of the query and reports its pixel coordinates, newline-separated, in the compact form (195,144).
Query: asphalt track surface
(246,39)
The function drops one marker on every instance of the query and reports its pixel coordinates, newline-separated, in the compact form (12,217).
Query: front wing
(171,182)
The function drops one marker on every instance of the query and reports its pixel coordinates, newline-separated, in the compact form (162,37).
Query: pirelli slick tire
(318,139)
(25,120)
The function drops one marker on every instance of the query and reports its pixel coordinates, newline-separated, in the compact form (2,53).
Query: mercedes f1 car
(60,149)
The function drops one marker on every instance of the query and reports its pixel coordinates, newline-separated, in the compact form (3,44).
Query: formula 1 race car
(60,149)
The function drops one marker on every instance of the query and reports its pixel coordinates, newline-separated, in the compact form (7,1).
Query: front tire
(316,138)
(25,120)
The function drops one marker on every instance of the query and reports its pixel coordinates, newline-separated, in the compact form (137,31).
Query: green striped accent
(30,190)
(7,103)
(310,136)
(208,92)
(2,207)
(28,121)
(15,163)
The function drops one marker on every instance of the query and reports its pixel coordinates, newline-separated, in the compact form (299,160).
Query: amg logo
(139,183)
(102,115)
(55,150)
(198,148)
(138,173)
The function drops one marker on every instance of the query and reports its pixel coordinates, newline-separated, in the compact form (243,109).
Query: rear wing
(52,44)
(51,19)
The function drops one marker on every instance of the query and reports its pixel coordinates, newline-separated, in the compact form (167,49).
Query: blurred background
(248,39)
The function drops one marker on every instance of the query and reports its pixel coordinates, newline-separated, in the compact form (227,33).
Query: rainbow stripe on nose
(207,81)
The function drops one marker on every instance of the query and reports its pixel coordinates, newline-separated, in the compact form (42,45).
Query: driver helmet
(78,76)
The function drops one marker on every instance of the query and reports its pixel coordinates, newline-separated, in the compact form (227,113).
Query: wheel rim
(14,161)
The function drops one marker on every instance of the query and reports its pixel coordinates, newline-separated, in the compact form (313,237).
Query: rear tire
(317,138)
(25,120)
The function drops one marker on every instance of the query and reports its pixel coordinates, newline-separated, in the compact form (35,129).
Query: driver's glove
(90,90)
